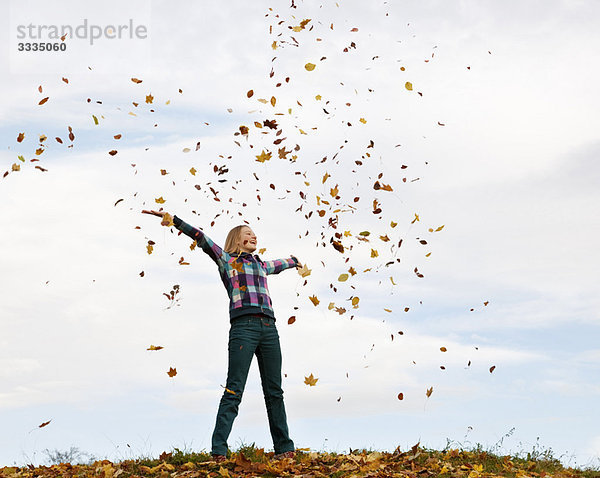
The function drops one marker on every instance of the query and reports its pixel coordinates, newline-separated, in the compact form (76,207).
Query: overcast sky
(497,141)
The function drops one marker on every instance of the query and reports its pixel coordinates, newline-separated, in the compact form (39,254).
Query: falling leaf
(310,380)
(408,86)
(172,372)
(310,66)
(16,167)
(362,120)
(149,98)
(118,201)
(44,424)
(149,248)
(263,156)
(415,219)
(135,80)
(193,171)
(229,391)
(95,119)
(486,303)
(155,347)
(291,320)
(304,271)
(400,396)
(355,301)
(117,136)
(343,277)
(273,100)
(167,221)
(112,152)
(492,368)
(21,137)
(443,349)
(429,392)
(159,200)
(314,300)
(42,101)
(186,150)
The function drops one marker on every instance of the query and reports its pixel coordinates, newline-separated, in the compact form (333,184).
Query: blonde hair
(233,238)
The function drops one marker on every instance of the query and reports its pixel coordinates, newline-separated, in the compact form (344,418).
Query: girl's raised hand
(154,213)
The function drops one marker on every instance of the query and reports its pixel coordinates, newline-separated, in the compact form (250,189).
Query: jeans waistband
(256,317)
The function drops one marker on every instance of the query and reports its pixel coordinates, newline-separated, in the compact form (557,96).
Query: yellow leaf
(274,45)
(314,300)
(262,250)
(355,301)
(343,277)
(263,156)
(388,310)
(392,279)
(95,119)
(318,97)
(330,306)
(160,200)
(310,66)
(167,220)
(262,100)
(304,271)
(193,171)
(334,191)
(155,347)
(310,380)
(186,150)
(301,131)
(16,167)
(362,120)
(374,253)
(149,98)
(415,219)
(439,228)
(149,248)
(408,85)
(273,101)
(325,176)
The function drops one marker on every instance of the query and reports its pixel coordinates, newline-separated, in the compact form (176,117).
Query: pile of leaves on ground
(250,461)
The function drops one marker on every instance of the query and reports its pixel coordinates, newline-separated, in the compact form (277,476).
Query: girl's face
(247,241)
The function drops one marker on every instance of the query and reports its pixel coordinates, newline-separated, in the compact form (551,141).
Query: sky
(480,116)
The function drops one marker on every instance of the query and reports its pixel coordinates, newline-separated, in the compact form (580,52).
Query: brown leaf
(492,368)
(44,424)
(135,80)
(429,392)
(172,372)
(21,137)
(291,320)
(310,380)
(42,101)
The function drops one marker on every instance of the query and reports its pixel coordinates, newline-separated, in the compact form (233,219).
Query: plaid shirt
(244,275)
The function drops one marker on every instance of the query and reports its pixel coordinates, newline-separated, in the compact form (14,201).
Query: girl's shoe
(219,458)
(287,454)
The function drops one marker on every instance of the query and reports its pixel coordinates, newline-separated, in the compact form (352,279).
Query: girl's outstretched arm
(278,265)
(213,250)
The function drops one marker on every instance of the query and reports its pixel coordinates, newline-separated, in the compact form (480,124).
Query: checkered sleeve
(213,250)
(278,265)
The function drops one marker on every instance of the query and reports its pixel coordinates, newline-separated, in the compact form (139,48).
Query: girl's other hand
(154,213)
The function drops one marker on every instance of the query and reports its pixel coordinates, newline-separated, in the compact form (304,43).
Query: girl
(252,331)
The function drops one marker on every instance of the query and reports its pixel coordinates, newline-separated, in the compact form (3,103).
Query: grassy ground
(250,461)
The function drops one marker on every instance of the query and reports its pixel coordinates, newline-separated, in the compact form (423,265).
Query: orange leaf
(314,300)
(172,372)
(42,101)
(310,380)
(155,347)
(21,137)
(291,320)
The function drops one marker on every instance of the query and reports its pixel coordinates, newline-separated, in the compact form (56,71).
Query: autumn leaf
(135,80)
(304,271)
(492,368)
(149,98)
(355,301)
(21,137)
(429,392)
(310,66)
(408,86)
(42,101)
(172,372)
(159,200)
(112,152)
(155,347)
(443,349)
(343,277)
(95,119)
(263,156)
(193,171)
(291,320)
(44,424)
(167,220)
(400,396)
(310,380)
(314,300)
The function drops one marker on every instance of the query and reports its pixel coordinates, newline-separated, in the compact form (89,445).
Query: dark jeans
(253,335)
